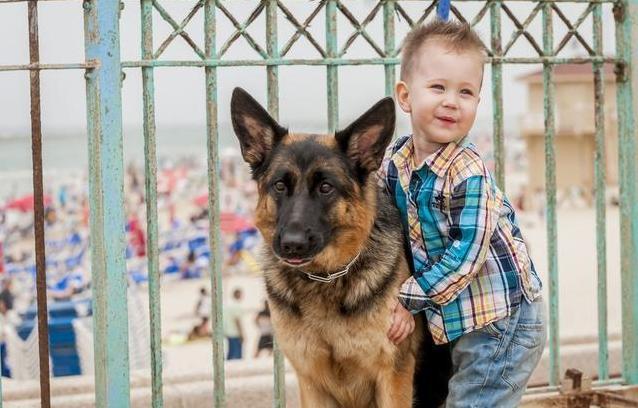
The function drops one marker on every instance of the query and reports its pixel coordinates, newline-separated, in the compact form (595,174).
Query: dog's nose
(297,243)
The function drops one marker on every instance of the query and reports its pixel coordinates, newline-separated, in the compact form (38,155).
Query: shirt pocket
(522,256)
(439,201)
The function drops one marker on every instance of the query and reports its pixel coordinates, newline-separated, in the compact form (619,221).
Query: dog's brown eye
(280,186)
(325,188)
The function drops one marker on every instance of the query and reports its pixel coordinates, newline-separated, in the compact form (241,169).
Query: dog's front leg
(312,396)
(394,388)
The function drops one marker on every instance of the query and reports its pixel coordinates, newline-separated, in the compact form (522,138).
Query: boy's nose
(450,102)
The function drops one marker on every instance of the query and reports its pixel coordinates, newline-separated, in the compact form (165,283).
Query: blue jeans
(234,348)
(492,365)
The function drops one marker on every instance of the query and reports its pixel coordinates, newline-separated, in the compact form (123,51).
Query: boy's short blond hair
(457,35)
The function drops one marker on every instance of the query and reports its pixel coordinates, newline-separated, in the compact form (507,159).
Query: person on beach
(264,325)
(233,330)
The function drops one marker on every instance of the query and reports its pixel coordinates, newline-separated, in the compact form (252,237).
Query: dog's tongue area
(295,261)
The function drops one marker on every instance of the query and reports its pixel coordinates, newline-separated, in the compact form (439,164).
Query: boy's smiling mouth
(446,119)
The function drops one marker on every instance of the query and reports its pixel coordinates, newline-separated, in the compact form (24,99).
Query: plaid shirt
(471,265)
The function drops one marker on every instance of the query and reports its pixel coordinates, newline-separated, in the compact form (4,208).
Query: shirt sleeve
(412,296)
(474,212)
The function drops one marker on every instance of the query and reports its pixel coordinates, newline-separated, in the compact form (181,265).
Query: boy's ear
(257,131)
(403,96)
(366,139)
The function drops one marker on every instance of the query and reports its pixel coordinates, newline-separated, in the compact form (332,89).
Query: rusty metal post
(38,194)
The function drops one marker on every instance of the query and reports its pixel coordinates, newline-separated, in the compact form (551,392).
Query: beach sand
(577,287)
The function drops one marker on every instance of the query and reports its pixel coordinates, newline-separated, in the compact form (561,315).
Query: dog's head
(317,193)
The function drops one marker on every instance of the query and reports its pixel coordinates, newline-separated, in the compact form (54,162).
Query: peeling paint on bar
(212,137)
(389,45)
(332,78)
(497,94)
(106,197)
(600,177)
(627,176)
(549,104)
(152,228)
(363,61)
(272,83)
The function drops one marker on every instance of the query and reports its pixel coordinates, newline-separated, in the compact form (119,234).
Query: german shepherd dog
(334,256)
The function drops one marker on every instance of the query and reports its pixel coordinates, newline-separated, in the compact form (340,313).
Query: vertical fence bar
(497,94)
(627,174)
(389,41)
(150,181)
(599,175)
(332,70)
(38,218)
(550,187)
(272,79)
(212,131)
(106,195)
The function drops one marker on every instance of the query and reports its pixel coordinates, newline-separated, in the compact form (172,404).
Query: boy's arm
(474,212)
(412,297)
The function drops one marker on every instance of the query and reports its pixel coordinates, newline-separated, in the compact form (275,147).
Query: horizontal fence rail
(294,62)
(103,71)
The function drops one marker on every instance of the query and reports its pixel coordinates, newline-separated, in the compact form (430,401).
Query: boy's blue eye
(467,92)
(437,87)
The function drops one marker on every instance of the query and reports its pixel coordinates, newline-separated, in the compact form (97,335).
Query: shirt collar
(438,162)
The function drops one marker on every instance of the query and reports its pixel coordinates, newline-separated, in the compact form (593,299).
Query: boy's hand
(402,323)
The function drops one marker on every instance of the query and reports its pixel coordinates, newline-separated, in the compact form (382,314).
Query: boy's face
(442,92)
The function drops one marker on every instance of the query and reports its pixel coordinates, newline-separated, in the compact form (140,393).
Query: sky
(179,92)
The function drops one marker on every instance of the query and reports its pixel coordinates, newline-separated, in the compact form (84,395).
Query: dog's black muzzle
(297,244)
(302,230)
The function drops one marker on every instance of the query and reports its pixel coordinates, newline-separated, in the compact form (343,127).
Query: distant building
(575,130)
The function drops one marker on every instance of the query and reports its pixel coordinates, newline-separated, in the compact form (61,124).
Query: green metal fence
(103,73)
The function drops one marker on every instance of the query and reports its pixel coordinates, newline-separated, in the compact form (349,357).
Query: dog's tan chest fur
(351,349)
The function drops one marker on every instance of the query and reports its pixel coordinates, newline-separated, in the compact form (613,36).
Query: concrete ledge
(249,383)
(583,357)
(253,391)
(13,390)
(555,399)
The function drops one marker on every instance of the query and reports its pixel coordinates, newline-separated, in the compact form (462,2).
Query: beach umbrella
(201,200)
(26,203)
(231,222)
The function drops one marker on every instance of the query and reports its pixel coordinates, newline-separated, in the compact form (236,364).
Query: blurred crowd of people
(233,328)
(183,223)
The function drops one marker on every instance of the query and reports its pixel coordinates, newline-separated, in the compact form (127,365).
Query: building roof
(571,73)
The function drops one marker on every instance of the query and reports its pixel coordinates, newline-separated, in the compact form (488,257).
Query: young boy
(473,276)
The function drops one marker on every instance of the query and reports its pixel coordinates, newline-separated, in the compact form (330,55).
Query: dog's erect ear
(366,139)
(256,130)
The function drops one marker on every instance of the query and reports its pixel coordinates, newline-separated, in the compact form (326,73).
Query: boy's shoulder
(392,150)
(456,161)
(465,162)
